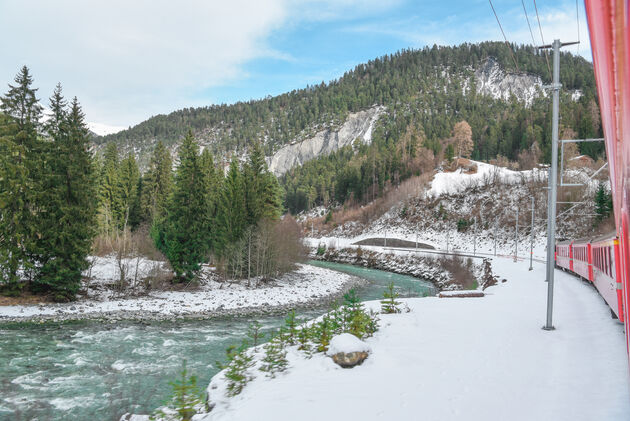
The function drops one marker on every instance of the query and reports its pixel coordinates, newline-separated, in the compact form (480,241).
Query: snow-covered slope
(104,129)
(459,180)
(464,359)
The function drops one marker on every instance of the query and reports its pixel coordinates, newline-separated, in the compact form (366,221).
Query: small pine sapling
(236,372)
(389,305)
(185,399)
(255,334)
(290,324)
(275,359)
(323,334)
(304,341)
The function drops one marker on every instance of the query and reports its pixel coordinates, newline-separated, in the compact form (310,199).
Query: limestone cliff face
(492,80)
(357,126)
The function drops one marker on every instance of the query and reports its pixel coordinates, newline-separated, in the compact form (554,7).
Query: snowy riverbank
(306,286)
(467,358)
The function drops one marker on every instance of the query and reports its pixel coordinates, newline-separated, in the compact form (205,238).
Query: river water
(92,370)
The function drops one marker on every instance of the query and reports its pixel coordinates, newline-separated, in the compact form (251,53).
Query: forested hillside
(425,92)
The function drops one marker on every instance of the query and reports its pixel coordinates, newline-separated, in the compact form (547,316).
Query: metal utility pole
(553,179)
(475,239)
(531,239)
(447,233)
(516,236)
(496,221)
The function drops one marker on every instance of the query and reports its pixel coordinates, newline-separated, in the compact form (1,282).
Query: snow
(458,181)
(306,284)
(465,359)
(346,343)
(104,129)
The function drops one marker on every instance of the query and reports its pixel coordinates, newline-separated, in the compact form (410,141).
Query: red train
(596,261)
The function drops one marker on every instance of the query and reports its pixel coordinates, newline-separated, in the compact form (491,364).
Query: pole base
(548,328)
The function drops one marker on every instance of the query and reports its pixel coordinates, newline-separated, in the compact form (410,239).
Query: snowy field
(305,285)
(464,359)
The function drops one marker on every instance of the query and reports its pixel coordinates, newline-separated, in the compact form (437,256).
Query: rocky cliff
(358,126)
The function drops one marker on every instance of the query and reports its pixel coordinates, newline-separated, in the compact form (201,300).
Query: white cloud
(126,60)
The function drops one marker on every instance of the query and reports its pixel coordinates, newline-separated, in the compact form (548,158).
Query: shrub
(389,305)
(185,400)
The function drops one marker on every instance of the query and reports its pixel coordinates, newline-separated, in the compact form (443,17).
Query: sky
(127,60)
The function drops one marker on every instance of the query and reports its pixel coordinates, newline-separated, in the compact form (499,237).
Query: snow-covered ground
(307,284)
(463,359)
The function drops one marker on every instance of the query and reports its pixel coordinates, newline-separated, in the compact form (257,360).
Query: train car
(607,272)
(564,255)
(609,30)
(582,263)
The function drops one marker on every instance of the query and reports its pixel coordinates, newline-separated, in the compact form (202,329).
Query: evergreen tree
(20,174)
(68,217)
(263,197)
(389,304)
(109,194)
(157,184)
(231,217)
(603,202)
(13,182)
(212,184)
(184,236)
(128,181)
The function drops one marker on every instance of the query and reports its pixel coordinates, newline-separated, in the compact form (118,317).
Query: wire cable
(542,39)
(528,25)
(577,18)
(504,37)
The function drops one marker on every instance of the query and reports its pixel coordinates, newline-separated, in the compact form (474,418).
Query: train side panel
(604,274)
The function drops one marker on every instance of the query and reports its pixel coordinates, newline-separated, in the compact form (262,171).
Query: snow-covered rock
(346,343)
(492,80)
(347,351)
(357,126)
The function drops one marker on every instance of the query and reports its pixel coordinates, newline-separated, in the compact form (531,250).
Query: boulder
(347,351)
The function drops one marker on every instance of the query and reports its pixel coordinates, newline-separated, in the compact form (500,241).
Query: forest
(58,203)
(425,94)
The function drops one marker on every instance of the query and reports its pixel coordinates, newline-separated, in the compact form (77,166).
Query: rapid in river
(92,370)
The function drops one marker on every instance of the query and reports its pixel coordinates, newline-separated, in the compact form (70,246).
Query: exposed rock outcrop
(357,126)
(492,80)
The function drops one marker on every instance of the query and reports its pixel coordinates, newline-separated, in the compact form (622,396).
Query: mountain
(433,76)
(315,132)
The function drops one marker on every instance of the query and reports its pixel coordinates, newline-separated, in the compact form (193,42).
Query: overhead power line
(528,25)
(504,37)
(542,38)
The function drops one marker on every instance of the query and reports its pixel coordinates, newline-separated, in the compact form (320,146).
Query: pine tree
(254,332)
(109,191)
(184,237)
(212,185)
(275,359)
(13,179)
(20,174)
(231,217)
(263,196)
(68,216)
(389,305)
(128,181)
(237,372)
(157,183)
(603,202)
(185,398)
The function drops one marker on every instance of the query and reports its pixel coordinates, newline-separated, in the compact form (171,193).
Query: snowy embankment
(308,285)
(469,358)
